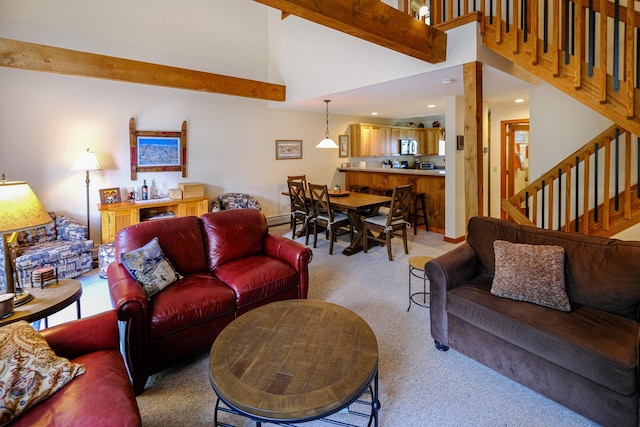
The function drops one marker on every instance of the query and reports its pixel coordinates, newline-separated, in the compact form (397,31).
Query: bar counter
(429,182)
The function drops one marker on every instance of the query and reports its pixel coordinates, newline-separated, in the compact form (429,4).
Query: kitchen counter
(427,181)
(432,172)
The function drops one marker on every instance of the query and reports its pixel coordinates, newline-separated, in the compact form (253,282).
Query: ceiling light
(327,142)
(374,113)
(518,101)
(447,81)
(431,106)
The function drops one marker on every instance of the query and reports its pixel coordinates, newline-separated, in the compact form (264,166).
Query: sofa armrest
(132,306)
(446,272)
(70,229)
(299,256)
(84,336)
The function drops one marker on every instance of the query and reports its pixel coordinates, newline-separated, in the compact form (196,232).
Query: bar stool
(418,212)
(416,269)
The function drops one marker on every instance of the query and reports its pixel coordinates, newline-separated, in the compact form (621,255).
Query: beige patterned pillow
(30,371)
(532,273)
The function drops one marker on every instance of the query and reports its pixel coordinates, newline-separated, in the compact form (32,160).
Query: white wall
(48,119)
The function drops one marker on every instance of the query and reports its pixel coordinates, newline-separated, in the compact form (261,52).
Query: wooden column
(473,139)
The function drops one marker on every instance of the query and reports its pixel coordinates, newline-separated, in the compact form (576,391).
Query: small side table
(47,301)
(416,269)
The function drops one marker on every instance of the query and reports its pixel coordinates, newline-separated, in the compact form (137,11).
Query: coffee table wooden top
(293,360)
(47,301)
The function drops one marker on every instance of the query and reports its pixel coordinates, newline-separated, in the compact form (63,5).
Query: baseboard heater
(278,220)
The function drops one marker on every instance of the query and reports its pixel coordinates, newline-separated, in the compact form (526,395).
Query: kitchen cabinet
(116,216)
(369,140)
(433,137)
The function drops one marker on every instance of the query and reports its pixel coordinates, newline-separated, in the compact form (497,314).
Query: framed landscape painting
(288,149)
(157,151)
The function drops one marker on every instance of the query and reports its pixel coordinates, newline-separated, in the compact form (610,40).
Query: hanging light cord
(327,113)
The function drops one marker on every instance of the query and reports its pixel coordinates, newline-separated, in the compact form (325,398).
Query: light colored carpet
(419,385)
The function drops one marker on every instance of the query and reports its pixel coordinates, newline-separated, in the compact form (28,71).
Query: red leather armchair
(230,264)
(103,395)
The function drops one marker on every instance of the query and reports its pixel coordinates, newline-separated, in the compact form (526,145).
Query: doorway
(514,158)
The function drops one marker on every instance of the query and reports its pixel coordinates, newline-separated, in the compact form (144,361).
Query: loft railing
(589,49)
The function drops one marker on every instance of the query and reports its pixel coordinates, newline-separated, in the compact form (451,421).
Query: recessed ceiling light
(431,106)
(374,113)
(518,101)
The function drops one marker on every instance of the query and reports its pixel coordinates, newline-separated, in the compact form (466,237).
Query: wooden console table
(115,216)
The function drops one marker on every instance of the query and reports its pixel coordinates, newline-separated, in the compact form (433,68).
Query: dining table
(357,206)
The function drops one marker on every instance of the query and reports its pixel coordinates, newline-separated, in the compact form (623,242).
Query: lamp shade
(20,209)
(327,143)
(86,161)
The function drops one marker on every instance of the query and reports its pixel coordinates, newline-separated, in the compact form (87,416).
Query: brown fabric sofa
(587,358)
(103,395)
(230,264)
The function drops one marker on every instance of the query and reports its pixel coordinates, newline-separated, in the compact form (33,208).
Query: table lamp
(20,210)
(87,161)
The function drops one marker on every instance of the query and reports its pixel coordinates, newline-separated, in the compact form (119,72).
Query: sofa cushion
(599,272)
(105,375)
(194,299)
(234,234)
(181,240)
(30,371)
(257,278)
(50,252)
(149,266)
(592,343)
(532,273)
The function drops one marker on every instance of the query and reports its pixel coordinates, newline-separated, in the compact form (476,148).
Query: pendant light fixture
(327,142)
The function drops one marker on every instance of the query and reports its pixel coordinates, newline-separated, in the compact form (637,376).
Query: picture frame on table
(110,195)
(343,144)
(288,149)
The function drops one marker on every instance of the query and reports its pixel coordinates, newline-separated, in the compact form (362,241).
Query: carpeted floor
(419,385)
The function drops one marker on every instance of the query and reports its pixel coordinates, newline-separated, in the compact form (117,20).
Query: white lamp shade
(327,143)
(20,209)
(86,161)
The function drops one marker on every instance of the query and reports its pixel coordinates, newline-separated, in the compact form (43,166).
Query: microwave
(408,146)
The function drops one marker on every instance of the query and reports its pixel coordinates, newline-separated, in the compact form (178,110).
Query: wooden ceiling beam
(373,21)
(37,57)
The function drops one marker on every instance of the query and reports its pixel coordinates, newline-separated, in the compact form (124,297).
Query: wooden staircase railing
(600,179)
(590,50)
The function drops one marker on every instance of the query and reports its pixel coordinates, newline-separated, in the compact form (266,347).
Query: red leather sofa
(230,264)
(103,395)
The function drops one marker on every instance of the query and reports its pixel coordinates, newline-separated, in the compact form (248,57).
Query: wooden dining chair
(323,213)
(300,209)
(387,224)
(303,180)
(298,178)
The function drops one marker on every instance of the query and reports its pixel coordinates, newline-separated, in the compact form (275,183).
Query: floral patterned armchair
(62,244)
(227,201)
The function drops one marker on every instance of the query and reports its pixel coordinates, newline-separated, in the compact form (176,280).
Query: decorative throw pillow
(30,371)
(149,267)
(532,273)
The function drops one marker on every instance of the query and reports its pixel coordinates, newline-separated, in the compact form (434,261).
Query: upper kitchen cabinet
(433,137)
(369,140)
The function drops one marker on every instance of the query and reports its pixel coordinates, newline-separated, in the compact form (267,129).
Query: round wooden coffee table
(294,361)
(47,301)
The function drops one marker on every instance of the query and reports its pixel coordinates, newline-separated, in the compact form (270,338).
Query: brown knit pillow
(532,273)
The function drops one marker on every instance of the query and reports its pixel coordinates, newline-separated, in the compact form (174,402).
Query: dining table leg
(357,244)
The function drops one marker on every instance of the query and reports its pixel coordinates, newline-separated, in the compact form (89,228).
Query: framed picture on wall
(343,143)
(288,149)
(109,195)
(157,151)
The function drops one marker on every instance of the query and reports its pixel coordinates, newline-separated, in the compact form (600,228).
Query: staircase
(588,49)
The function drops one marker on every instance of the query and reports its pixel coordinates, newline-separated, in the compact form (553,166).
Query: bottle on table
(145,191)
